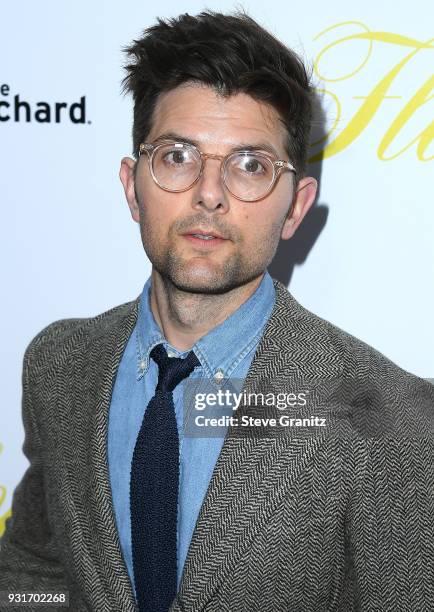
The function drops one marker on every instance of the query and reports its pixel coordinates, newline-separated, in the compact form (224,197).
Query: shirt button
(142,364)
(218,375)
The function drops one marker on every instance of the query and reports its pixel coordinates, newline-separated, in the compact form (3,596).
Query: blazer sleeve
(29,558)
(391,527)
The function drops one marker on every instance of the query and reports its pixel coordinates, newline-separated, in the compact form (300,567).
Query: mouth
(204,238)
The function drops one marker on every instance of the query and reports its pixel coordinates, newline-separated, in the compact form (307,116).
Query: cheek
(263,218)
(158,209)
(154,208)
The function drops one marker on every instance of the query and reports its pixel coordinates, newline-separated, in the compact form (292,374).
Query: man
(120,507)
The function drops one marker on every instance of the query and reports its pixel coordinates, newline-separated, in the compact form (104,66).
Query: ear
(303,199)
(126,174)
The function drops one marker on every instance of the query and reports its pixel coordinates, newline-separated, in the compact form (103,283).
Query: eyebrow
(256,146)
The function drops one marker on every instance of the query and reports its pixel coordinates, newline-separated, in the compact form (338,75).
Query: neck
(185,317)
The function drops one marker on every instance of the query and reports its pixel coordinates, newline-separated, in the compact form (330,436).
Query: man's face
(250,231)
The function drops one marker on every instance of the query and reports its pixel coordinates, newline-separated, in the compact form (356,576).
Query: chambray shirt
(227,350)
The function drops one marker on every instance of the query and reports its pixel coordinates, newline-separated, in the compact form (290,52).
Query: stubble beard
(193,277)
(234,272)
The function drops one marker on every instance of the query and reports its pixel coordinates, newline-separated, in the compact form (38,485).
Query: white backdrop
(70,248)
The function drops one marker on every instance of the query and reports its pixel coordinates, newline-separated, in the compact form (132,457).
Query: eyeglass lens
(247,175)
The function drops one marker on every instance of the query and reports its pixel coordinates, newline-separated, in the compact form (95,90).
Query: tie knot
(172,370)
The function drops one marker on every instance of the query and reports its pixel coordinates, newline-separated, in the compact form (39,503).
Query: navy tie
(154,488)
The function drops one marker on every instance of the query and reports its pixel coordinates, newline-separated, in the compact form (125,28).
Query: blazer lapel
(252,474)
(104,356)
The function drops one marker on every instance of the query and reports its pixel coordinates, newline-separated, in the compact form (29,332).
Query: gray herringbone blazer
(340,521)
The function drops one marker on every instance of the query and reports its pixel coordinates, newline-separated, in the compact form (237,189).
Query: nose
(209,191)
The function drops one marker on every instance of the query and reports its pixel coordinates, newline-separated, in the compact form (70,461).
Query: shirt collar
(223,347)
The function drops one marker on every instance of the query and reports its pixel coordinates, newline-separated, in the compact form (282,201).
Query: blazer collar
(252,474)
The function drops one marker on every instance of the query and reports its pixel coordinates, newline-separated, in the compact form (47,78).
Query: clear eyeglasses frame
(276,166)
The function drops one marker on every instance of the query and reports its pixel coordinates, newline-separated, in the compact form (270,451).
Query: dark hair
(231,53)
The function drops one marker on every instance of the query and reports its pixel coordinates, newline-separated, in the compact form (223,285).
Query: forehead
(199,113)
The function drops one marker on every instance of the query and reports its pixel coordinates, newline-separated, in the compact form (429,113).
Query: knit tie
(154,488)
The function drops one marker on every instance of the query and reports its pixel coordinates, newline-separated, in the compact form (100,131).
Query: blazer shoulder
(357,356)
(54,336)
(370,382)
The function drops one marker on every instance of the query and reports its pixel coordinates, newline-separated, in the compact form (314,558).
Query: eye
(177,157)
(252,165)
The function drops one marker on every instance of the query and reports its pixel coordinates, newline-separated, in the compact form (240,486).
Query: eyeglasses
(247,175)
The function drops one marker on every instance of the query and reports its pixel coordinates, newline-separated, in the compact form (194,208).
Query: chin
(215,284)
(200,283)
(205,277)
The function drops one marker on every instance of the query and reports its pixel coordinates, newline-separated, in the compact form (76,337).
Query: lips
(204,234)
(204,239)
